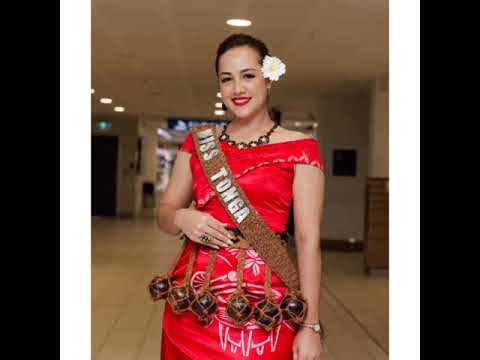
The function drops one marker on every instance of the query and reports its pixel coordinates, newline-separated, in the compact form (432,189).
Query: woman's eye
(248,76)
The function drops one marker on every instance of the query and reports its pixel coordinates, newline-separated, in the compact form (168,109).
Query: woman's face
(242,85)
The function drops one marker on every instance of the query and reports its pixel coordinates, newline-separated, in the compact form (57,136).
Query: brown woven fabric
(240,242)
(208,273)
(191,262)
(294,308)
(204,304)
(247,219)
(160,285)
(181,296)
(268,281)
(239,308)
(267,314)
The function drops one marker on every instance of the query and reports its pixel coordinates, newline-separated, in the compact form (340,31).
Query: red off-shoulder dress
(265,174)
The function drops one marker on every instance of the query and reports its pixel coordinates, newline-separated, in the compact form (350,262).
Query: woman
(272,166)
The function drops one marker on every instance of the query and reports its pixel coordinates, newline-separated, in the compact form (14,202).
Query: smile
(241,101)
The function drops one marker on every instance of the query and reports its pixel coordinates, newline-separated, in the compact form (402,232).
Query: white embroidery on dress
(253,261)
(244,340)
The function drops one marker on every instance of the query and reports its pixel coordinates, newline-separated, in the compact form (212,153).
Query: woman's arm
(177,195)
(174,216)
(308,195)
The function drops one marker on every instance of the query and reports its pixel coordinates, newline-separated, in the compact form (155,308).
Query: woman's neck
(257,123)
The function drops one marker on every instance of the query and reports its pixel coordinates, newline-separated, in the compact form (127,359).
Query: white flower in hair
(272,67)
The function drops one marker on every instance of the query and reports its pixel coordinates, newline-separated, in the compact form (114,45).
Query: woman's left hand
(307,345)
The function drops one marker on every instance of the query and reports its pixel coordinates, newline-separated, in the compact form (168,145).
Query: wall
(379,127)
(344,125)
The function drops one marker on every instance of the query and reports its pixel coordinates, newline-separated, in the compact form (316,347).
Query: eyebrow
(227,73)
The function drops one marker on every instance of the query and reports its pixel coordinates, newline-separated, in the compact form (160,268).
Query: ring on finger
(204,238)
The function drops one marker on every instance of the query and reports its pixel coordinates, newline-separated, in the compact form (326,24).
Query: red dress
(265,174)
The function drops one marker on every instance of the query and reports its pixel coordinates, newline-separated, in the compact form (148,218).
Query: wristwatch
(317,327)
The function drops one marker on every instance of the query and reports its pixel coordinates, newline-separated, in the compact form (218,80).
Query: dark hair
(236,40)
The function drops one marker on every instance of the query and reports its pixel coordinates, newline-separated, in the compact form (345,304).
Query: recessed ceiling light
(219,112)
(219,95)
(239,22)
(92,91)
(119,108)
(218,105)
(106,100)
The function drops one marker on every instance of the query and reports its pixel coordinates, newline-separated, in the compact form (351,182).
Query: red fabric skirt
(184,337)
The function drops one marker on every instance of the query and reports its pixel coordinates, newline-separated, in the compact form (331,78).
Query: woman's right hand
(194,223)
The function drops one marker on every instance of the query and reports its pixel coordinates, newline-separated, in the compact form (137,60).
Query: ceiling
(157,57)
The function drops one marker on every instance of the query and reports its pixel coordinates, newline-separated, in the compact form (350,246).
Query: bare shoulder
(291,135)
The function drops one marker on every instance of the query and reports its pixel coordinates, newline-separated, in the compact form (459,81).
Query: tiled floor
(126,325)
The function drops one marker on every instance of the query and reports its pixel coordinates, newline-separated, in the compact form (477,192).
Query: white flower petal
(273,68)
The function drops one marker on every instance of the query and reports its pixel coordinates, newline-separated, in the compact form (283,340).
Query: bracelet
(317,327)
